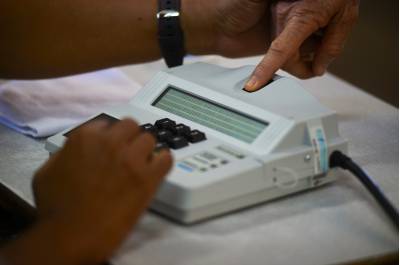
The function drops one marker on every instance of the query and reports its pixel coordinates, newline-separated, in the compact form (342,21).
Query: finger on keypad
(124,131)
(161,163)
(142,147)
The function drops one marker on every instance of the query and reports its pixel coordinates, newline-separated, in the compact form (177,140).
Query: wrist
(198,27)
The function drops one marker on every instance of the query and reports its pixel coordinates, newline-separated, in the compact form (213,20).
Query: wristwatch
(170,34)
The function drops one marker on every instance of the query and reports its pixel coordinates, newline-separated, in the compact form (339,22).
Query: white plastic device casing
(280,161)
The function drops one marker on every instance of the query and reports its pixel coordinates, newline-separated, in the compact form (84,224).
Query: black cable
(338,159)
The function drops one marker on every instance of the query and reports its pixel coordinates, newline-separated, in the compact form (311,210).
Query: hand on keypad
(172,135)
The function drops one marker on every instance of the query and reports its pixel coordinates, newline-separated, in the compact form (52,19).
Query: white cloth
(44,107)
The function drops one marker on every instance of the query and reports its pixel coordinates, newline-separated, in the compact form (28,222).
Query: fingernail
(251,84)
(323,68)
(320,71)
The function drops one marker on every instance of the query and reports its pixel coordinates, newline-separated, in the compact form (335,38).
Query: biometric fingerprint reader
(232,149)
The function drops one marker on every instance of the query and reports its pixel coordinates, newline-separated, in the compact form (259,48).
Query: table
(334,224)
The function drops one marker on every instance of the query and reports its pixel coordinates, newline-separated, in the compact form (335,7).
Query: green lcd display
(204,112)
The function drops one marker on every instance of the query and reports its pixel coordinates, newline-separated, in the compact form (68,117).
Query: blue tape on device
(319,144)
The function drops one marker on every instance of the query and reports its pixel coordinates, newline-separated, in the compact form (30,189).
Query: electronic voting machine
(232,149)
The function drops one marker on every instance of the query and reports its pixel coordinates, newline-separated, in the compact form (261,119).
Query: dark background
(370,60)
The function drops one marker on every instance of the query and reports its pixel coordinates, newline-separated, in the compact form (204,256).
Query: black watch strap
(170,34)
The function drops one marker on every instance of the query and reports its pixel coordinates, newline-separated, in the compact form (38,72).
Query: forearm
(46,243)
(52,38)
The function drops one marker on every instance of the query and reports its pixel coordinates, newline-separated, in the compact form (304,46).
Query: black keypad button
(148,128)
(177,142)
(165,124)
(161,145)
(171,135)
(196,136)
(181,129)
(164,135)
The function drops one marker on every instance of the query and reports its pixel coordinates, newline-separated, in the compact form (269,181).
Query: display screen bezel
(218,105)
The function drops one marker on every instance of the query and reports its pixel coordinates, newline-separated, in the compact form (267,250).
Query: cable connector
(338,159)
